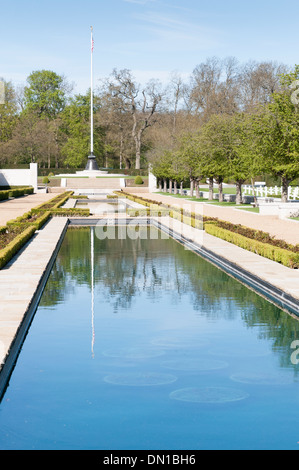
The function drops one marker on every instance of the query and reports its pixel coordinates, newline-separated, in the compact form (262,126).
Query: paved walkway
(281,229)
(13,208)
(20,278)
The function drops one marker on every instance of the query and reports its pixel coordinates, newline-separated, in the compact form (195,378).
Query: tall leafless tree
(142,103)
(259,80)
(215,87)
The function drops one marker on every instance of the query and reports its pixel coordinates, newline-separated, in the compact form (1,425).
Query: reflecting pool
(141,344)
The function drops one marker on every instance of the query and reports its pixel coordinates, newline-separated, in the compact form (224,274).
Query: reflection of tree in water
(126,269)
(59,287)
(72,267)
(131,268)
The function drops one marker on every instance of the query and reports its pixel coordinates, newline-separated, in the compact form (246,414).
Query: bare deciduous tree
(215,87)
(259,80)
(141,103)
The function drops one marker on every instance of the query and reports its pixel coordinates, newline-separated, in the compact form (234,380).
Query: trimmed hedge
(40,221)
(4,195)
(17,192)
(14,246)
(54,203)
(69,212)
(280,255)
(254,234)
(20,192)
(154,212)
(187,219)
(24,220)
(32,221)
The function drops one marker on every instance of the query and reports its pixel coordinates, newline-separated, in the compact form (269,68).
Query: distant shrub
(138,180)
(46,180)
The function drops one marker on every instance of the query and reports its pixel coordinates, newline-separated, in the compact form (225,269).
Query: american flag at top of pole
(92,40)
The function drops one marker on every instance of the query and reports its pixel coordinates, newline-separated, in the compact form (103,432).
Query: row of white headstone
(264,191)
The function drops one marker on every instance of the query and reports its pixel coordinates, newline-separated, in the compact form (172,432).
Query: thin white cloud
(172,33)
(139,2)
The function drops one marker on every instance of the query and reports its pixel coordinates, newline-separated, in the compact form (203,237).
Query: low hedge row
(54,203)
(70,212)
(147,212)
(6,194)
(36,220)
(280,255)
(14,246)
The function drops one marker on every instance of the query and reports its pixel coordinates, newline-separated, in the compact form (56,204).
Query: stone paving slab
(20,278)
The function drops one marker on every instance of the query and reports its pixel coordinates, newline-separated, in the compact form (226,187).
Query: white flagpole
(91,163)
(91,94)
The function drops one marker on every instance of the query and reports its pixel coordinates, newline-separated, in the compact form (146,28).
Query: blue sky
(150,37)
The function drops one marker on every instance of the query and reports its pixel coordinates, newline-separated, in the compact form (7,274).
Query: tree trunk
(160,185)
(175,184)
(137,164)
(220,189)
(191,187)
(239,199)
(137,139)
(284,191)
(121,150)
(181,188)
(165,185)
(196,189)
(170,186)
(253,192)
(211,189)
(128,163)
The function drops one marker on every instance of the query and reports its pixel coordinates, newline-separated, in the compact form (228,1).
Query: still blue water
(165,352)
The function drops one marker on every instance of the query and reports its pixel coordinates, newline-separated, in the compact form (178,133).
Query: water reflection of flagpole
(92,288)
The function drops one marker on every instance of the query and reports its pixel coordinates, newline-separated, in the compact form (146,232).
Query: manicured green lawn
(224,190)
(215,202)
(249,209)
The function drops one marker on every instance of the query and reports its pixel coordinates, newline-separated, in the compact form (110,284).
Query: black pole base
(91,163)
